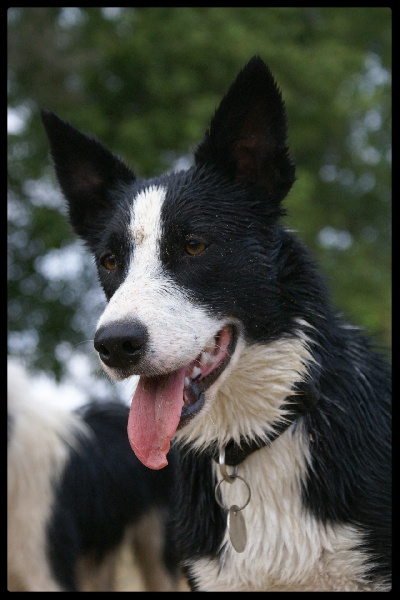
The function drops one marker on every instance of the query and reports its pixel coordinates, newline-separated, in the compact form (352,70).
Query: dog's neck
(304,400)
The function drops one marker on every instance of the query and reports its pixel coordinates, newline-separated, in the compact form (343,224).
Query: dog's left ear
(246,138)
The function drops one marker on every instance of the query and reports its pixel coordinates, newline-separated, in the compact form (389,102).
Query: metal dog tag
(237,528)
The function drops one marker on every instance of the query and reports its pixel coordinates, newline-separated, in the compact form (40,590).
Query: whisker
(82,342)
(207,413)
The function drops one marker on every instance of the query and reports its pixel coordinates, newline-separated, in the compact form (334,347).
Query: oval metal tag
(237,528)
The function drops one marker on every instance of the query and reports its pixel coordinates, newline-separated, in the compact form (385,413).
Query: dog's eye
(194,247)
(109,261)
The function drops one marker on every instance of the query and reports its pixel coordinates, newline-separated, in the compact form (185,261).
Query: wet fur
(319,515)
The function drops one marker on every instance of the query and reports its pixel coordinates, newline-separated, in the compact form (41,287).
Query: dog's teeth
(196,371)
(187,382)
(209,348)
(205,358)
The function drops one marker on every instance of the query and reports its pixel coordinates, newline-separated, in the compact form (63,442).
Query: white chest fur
(287,548)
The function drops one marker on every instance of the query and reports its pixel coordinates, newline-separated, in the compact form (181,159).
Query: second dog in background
(77,495)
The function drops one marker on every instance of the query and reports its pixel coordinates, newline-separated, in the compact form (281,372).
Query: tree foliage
(146,81)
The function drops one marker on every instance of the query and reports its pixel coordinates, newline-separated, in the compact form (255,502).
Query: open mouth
(204,371)
(165,403)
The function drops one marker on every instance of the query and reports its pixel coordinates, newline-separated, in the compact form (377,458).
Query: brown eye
(195,247)
(109,262)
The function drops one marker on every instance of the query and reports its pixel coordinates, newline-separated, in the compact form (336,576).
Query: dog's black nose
(121,345)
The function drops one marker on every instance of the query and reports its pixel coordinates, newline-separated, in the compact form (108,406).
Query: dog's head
(188,261)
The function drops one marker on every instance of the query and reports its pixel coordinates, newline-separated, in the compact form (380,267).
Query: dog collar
(304,401)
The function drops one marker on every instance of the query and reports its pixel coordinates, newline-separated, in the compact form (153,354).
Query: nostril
(100,344)
(101,349)
(131,346)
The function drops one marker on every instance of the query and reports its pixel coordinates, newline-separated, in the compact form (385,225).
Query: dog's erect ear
(87,173)
(246,138)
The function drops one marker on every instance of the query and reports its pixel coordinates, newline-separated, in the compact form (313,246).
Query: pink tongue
(154,417)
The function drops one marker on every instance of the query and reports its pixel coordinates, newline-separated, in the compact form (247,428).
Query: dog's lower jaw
(196,389)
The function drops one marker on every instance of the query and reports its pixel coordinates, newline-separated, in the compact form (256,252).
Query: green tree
(146,81)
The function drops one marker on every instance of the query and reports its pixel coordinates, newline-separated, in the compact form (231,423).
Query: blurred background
(146,82)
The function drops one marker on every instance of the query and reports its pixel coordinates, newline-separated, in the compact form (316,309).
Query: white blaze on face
(145,228)
(178,329)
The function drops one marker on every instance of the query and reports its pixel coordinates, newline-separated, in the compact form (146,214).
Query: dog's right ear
(246,139)
(88,173)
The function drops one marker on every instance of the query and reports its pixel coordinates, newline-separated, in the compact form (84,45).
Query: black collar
(305,399)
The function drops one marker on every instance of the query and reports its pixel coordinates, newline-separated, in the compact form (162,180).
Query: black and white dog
(242,360)
(77,494)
